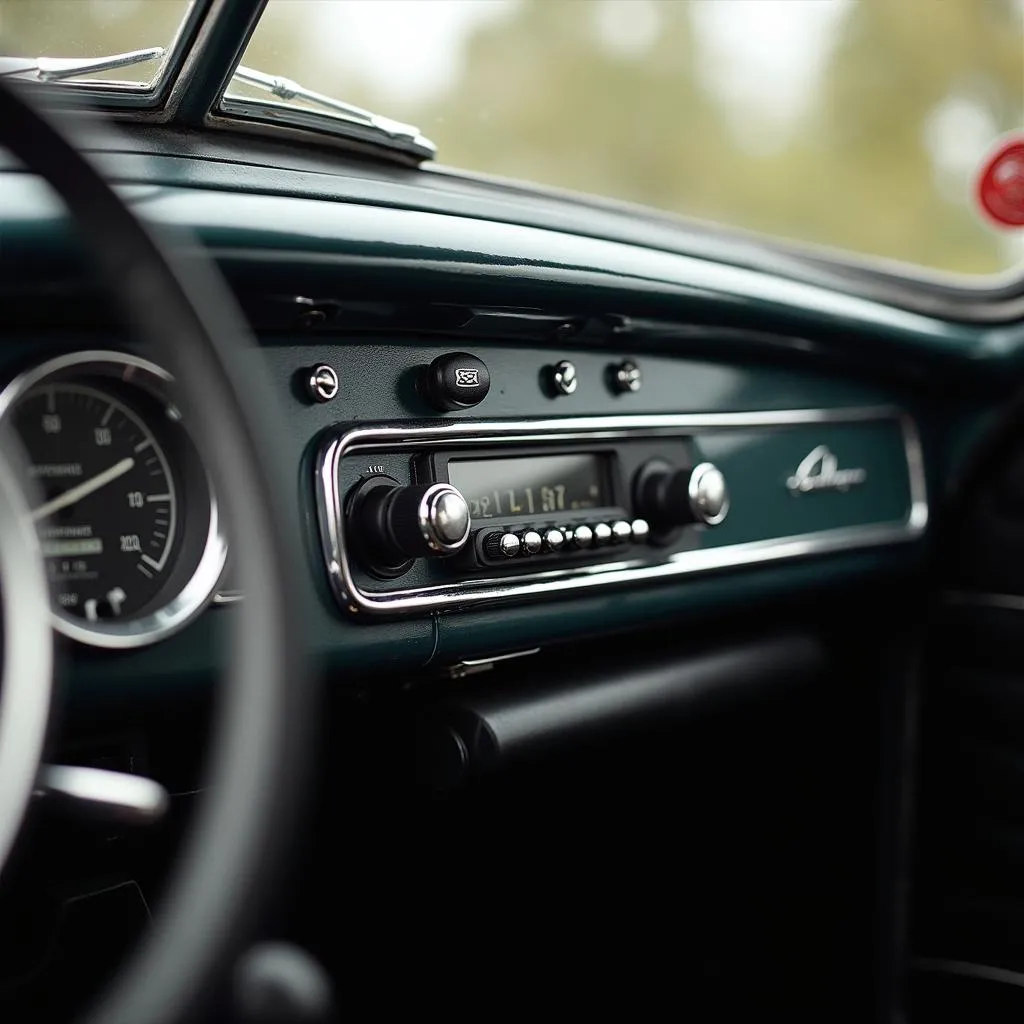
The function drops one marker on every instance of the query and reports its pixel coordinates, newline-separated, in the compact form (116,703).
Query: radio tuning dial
(396,523)
(668,497)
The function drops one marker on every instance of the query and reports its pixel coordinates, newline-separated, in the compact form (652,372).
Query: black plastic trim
(531,712)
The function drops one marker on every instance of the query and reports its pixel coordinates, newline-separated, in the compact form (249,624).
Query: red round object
(1000,185)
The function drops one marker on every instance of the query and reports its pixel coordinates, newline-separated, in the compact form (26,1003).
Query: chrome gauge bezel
(198,590)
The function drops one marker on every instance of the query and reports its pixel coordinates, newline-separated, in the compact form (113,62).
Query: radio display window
(542,486)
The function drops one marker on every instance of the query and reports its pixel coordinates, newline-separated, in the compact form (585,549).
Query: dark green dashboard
(376,288)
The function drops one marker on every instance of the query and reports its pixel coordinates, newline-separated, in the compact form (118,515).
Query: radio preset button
(531,542)
(553,540)
(602,534)
(582,536)
(622,532)
(501,545)
(641,530)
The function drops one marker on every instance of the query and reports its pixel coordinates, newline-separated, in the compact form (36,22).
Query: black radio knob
(668,497)
(420,521)
(456,380)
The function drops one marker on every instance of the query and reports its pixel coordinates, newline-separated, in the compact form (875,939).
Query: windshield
(858,125)
(854,125)
(93,28)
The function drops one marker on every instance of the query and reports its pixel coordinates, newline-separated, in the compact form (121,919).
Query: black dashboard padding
(969,866)
(532,711)
(988,534)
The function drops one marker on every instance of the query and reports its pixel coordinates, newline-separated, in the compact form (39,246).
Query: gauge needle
(81,490)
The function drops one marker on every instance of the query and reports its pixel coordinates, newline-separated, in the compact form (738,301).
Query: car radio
(442,516)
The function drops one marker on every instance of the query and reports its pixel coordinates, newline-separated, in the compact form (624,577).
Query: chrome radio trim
(479,591)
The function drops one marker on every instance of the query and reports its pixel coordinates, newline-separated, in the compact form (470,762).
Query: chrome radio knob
(419,521)
(708,494)
(668,497)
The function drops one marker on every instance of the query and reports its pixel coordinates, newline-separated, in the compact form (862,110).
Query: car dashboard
(674,365)
(567,482)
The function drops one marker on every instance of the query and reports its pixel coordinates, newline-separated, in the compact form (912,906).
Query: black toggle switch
(456,380)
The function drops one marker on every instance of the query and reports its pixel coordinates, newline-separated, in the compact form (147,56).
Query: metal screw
(563,376)
(628,376)
(312,318)
(322,383)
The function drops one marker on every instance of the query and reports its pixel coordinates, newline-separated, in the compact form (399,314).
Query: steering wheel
(185,314)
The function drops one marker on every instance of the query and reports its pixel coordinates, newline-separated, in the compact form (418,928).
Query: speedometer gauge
(126,518)
(106,520)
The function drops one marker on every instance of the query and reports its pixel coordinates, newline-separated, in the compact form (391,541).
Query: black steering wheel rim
(182,310)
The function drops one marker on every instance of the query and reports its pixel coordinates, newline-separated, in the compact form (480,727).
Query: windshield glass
(92,28)
(855,125)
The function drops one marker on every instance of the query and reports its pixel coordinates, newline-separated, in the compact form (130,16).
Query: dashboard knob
(708,494)
(418,521)
(668,497)
(563,377)
(456,380)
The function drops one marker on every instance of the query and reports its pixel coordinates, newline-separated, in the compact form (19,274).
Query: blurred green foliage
(878,159)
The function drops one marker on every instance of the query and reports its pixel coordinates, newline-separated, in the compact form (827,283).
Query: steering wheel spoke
(102,796)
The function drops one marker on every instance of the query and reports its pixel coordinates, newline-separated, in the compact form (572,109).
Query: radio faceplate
(447,516)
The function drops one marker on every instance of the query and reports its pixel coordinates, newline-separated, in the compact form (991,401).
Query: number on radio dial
(486,506)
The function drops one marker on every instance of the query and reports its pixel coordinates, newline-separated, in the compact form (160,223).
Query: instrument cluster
(126,515)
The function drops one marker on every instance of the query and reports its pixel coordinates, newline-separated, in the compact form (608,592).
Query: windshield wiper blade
(54,69)
(286,89)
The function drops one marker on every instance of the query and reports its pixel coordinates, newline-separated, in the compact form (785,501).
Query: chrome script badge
(819,471)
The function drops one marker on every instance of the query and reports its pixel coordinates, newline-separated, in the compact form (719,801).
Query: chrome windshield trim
(287,90)
(240,112)
(489,590)
(56,69)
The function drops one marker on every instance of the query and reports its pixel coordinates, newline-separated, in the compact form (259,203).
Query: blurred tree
(599,98)
(544,98)
(879,167)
